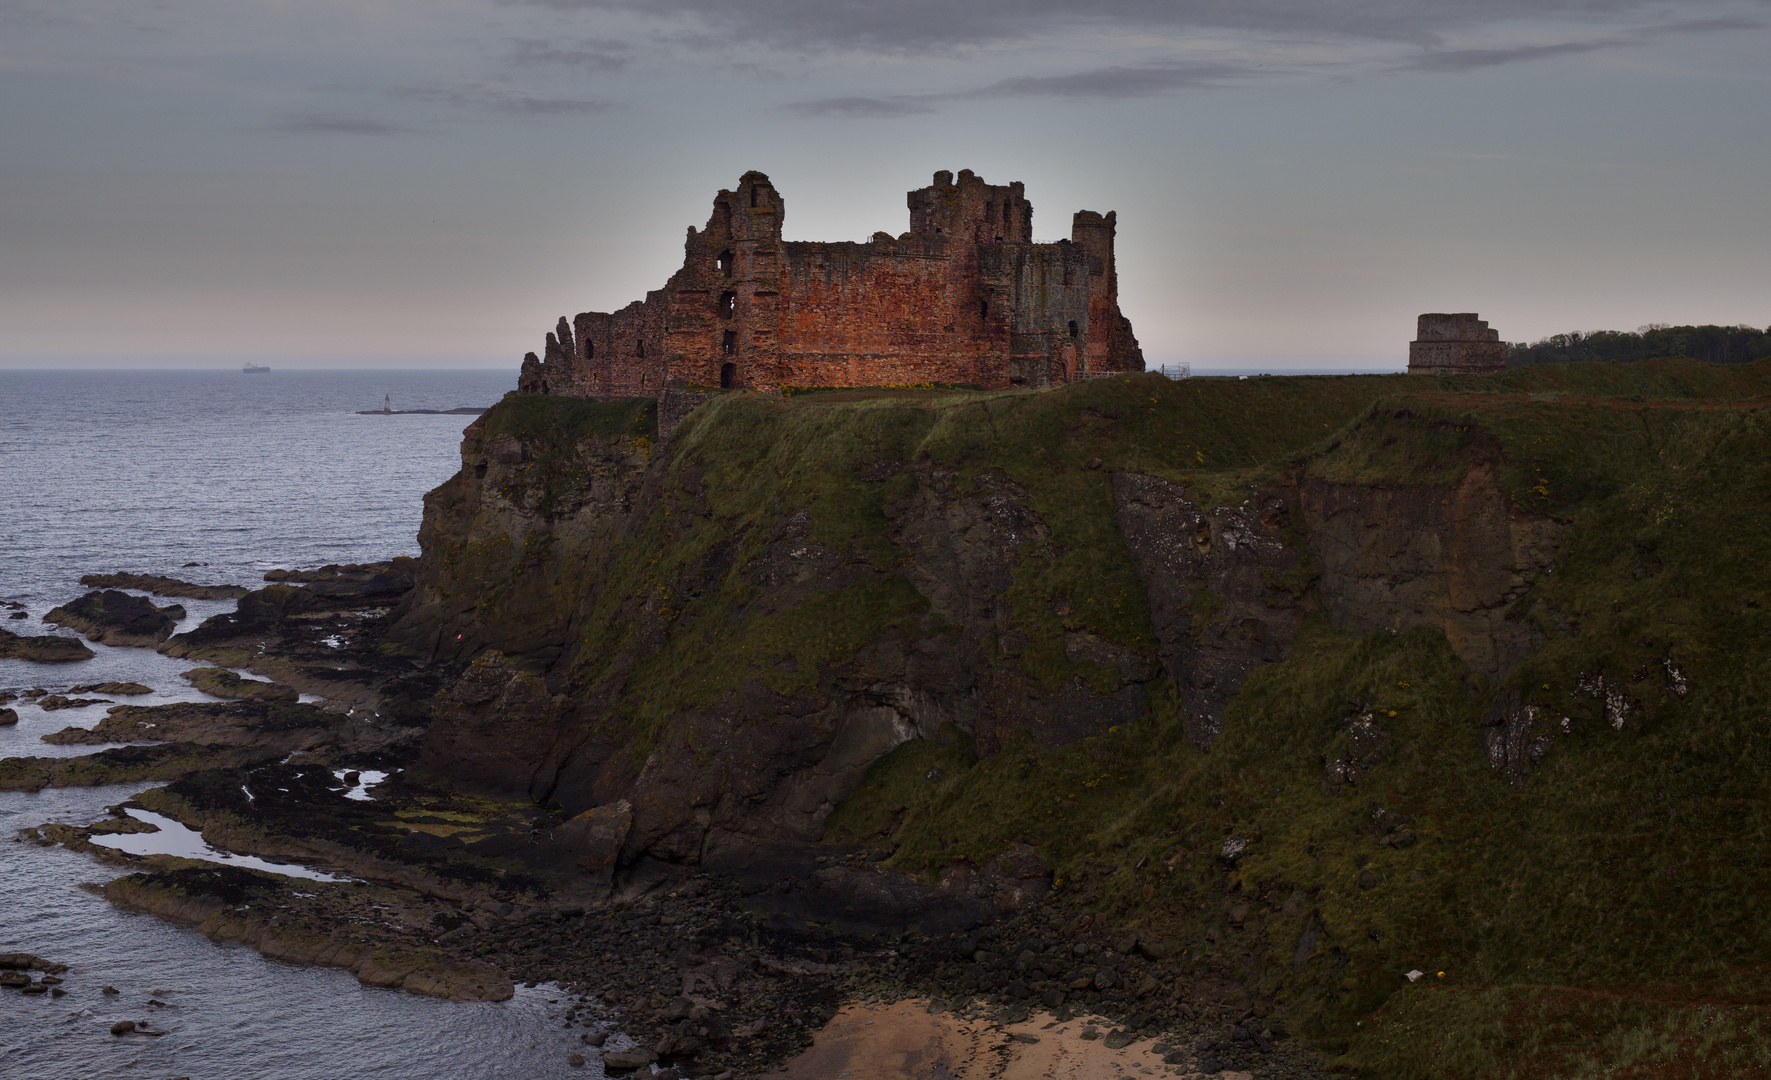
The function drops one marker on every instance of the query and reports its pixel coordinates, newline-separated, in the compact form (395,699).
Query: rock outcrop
(210,899)
(163,586)
(661,631)
(118,618)
(222,683)
(43,648)
(1455,557)
(279,727)
(1221,583)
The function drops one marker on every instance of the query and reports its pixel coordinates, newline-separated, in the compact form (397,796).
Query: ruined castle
(1459,344)
(965,297)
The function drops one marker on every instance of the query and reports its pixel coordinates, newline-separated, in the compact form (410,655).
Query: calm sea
(147,471)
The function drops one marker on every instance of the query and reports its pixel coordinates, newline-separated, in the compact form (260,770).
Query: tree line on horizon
(1712,344)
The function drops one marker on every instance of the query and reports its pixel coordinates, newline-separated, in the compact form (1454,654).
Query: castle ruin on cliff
(1459,344)
(964,297)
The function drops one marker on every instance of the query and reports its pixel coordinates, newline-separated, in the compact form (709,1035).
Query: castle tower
(971,210)
(1460,344)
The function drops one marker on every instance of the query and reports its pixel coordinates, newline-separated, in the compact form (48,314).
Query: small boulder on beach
(8,717)
(637,1058)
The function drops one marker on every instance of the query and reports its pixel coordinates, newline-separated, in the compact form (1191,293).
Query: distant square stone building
(1460,344)
(965,296)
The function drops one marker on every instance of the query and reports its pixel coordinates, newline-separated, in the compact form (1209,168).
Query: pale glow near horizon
(431,186)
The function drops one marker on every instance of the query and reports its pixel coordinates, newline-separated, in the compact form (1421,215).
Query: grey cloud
(502,98)
(860,108)
(1453,60)
(334,125)
(941,25)
(1471,59)
(584,55)
(1143,80)
(1118,82)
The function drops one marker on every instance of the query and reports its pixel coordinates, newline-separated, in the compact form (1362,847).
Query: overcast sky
(434,182)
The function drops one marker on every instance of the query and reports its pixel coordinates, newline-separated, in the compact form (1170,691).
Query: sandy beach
(904,1041)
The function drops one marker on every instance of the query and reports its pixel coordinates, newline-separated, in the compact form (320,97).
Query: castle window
(983,309)
(727,301)
(639,349)
(989,210)
(1005,213)
(589,348)
(756,197)
(728,376)
(1073,330)
(725,262)
(729,344)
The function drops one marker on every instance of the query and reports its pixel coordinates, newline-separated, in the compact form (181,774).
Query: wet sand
(903,1041)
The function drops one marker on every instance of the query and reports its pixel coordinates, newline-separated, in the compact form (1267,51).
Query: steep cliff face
(727,633)
(1223,585)
(1454,557)
(512,541)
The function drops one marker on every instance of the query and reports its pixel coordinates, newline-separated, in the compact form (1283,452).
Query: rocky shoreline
(164,586)
(722,966)
(711,972)
(712,976)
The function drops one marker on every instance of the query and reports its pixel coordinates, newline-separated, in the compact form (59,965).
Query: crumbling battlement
(965,296)
(1460,344)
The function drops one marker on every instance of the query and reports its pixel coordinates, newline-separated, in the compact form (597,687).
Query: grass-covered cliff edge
(1314,681)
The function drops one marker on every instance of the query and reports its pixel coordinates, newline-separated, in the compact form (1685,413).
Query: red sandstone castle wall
(854,315)
(965,297)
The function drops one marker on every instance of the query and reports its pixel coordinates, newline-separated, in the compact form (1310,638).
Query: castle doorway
(728,376)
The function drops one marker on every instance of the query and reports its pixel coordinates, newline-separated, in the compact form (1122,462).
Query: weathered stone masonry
(965,296)
(1460,344)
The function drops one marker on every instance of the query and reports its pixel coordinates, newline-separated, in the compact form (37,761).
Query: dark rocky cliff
(1320,680)
(728,631)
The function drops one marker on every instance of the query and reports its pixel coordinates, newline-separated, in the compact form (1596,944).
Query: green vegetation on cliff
(834,470)
(1576,840)
(1602,915)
